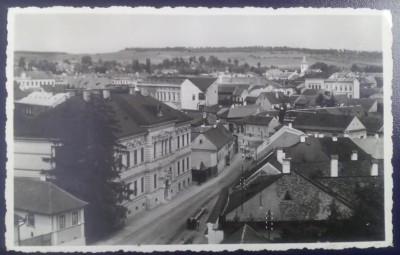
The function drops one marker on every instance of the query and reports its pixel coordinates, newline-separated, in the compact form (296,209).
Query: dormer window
(200,141)
(287,196)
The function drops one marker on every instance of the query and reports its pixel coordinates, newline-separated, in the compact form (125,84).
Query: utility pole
(269,223)
(242,187)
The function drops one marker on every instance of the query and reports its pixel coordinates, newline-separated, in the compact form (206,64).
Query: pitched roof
(349,110)
(372,146)
(373,124)
(250,99)
(313,92)
(239,111)
(43,99)
(43,197)
(329,122)
(273,97)
(212,108)
(244,235)
(133,112)
(229,88)
(219,136)
(255,120)
(203,83)
(39,75)
(366,103)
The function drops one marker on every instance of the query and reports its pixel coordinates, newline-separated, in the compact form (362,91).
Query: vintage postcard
(143,129)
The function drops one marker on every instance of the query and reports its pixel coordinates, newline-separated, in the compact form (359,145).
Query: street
(165,224)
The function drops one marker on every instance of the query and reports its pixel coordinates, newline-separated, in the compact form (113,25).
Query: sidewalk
(140,220)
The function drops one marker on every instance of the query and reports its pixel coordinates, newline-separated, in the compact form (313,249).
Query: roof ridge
(67,193)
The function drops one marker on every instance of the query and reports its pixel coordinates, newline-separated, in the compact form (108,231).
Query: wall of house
(43,225)
(25,84)
(189,95)
(71,234)
(264,103)
(314,84)
(212,94)
(356,129)
(29,155)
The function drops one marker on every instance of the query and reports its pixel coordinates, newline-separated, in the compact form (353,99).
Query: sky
(100,33)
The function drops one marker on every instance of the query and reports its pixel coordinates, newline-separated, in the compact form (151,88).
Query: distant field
(285,59)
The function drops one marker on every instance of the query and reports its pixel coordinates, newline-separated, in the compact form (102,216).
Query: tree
(86,164)
(229,61)
(320,100)
(331,102)
(236,62)
(355,68)
(86,60)
(22,63)
(259,65)
(148,66)
(202,60)
(282,112)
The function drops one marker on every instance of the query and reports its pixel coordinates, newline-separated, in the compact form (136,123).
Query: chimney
(244,102)
(334,138)
(204,115)
(334,165)
(290,125)
(159,111)
(354,155)
(316,135)
(280,155)
(303,138)
(43,177)
(374,167)
(86,95)
(376,136)
(276,94)
(346,135)
(217,121)
(321,135)
(106,93)
(286,166)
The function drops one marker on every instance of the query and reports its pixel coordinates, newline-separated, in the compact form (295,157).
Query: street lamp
(269,224)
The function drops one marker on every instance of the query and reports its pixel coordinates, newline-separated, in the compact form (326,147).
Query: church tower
(304,65)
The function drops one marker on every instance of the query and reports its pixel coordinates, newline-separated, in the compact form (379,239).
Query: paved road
(164,224)
(166,229)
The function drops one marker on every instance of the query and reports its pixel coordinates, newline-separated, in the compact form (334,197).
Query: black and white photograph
(143,129)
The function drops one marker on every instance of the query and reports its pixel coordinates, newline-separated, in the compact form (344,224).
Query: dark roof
(19,94)
(219,205)
(347,110)
(255,120)
(202,83)
(365,92)
(251,99)
(239,111)
(54,89)
(331,122)
(366,103)
(219,136)
(230,88)
(43,197)
(313,92)
(341,99)
(259,184)
(373,124)
(244,234)
(273,97)
(212,108)
(133,113)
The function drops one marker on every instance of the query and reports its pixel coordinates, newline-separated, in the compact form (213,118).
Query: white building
(184,93)
(303,66)
(44,215)
(34,79)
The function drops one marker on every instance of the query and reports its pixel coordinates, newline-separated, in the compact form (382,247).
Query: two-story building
(212,148)
(34,79)
(45,214)
(192,93)
(157,139)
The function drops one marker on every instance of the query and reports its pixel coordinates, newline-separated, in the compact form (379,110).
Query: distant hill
(285,57)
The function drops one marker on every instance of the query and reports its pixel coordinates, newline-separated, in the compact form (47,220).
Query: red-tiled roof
(43,197)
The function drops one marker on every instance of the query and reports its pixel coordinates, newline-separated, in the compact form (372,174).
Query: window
(155,150)
(201,96)
(179,167)
(134,188)
(193,97)
(188,181)
(178,142)
(187,163)
(142,184)
(170,144)
(30,220)
(183,165)
(61,221)
(135,157)
(200,141)
(187,139)
(74,217)
(287,196)
(183,140)
(155,181)
(142,155)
